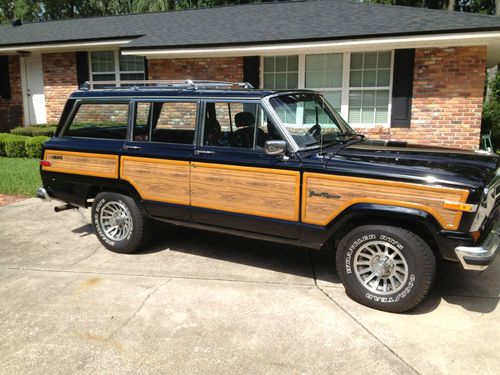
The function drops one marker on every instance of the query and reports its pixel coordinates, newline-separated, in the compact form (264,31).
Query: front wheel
(119,223)
(386,268)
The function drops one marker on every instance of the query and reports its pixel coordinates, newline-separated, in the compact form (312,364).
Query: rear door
(234,183)
(156,157)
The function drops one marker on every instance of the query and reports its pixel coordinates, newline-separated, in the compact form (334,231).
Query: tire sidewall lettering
(351,251)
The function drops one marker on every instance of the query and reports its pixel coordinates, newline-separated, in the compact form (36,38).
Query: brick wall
(218,69)
(11,109)
(60,80)
(447,98)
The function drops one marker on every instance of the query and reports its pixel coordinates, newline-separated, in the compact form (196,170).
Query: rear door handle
(127,147)
(203,152)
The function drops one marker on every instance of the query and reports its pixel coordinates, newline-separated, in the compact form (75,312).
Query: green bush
(14,146)
(33,146)
(35,130)
(491,112)
(3,137)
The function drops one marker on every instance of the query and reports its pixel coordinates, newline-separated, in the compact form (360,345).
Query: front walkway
(199,302)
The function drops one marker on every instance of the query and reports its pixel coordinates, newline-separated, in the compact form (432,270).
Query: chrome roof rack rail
(174,84)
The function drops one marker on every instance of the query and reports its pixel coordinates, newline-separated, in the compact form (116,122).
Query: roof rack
(176,84)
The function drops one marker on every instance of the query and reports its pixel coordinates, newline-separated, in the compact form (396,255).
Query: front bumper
(478,258)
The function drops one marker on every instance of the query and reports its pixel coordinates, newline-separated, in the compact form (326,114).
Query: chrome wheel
(115,220)
(380,267)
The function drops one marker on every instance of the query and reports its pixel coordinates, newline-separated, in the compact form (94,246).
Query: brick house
(393,72)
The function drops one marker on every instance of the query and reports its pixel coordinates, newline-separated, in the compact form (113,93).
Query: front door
(234,183)
(156,158)
(33,90)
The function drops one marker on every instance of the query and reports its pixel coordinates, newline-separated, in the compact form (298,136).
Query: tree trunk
(497,7)
(451,5)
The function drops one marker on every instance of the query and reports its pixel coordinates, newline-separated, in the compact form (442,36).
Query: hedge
(35,131)
(17,146)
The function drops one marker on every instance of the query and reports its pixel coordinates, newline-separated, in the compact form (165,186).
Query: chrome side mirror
(275,147)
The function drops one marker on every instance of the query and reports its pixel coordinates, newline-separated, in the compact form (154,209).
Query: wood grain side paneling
(157,179)
(326,196)
(89,164)
(273,193)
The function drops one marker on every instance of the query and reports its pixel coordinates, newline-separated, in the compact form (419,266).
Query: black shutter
(4,78)
(146,70)
(402,87)
(82,68)
(251,70)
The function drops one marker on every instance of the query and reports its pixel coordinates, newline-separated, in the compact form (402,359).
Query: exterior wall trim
(421,41)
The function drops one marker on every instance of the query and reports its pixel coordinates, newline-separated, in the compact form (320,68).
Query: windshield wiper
(353,139)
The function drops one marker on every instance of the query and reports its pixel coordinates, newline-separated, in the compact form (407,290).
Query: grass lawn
(19,176)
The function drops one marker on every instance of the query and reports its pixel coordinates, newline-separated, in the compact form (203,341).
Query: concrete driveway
(199,302)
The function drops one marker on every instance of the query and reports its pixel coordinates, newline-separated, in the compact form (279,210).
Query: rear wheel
(119,223)
(386,268)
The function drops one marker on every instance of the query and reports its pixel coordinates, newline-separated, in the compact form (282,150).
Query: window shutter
(404,61)
(251,70)
(146,69)
(4,78)
(82,67)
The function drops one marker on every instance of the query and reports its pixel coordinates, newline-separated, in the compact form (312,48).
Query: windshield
(310,120)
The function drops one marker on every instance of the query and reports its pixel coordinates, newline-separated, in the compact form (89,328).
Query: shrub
(33,146)
(35,130)
(3,137)
(14,146)
(491,111)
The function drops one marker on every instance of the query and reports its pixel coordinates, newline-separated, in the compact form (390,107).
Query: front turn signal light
(465,207)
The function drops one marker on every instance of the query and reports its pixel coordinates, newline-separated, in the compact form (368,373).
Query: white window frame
(116,72)
(344,107)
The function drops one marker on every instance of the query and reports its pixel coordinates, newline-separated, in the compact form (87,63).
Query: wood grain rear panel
(89,164)
(273,193)
(326,196)
(157,179)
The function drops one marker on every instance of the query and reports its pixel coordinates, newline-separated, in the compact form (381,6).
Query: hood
(436,165)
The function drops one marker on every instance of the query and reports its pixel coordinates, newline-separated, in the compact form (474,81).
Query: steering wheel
(315,130)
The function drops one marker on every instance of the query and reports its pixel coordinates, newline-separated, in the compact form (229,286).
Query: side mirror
(275,147)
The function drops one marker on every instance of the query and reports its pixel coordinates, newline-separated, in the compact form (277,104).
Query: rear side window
(99,120)
(165,122)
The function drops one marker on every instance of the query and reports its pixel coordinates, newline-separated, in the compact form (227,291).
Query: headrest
(244,119)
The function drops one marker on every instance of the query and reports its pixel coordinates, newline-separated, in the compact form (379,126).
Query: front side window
(99,120)
(309,119)
(238,125)
(165,122)
(112,66)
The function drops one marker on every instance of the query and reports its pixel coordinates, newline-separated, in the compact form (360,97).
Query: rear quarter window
(99,120)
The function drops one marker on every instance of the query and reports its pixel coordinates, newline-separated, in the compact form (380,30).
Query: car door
(156,157)
(233,182)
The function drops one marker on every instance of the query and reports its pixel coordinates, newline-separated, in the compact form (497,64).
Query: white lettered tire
(119,224)
(386,268)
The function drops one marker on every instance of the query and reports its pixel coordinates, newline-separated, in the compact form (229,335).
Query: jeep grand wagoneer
(280,166)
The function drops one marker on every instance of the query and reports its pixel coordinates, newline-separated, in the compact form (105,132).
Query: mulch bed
(5,200)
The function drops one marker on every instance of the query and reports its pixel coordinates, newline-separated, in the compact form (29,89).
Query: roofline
(390,42)
(72,45)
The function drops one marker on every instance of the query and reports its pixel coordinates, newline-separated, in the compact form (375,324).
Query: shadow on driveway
(473,291)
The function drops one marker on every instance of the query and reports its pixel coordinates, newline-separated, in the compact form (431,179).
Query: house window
(281,72)
(324,73)
(357,84)
(111,66)
(369,87)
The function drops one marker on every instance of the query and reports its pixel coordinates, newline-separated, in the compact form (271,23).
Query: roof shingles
(251,24)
